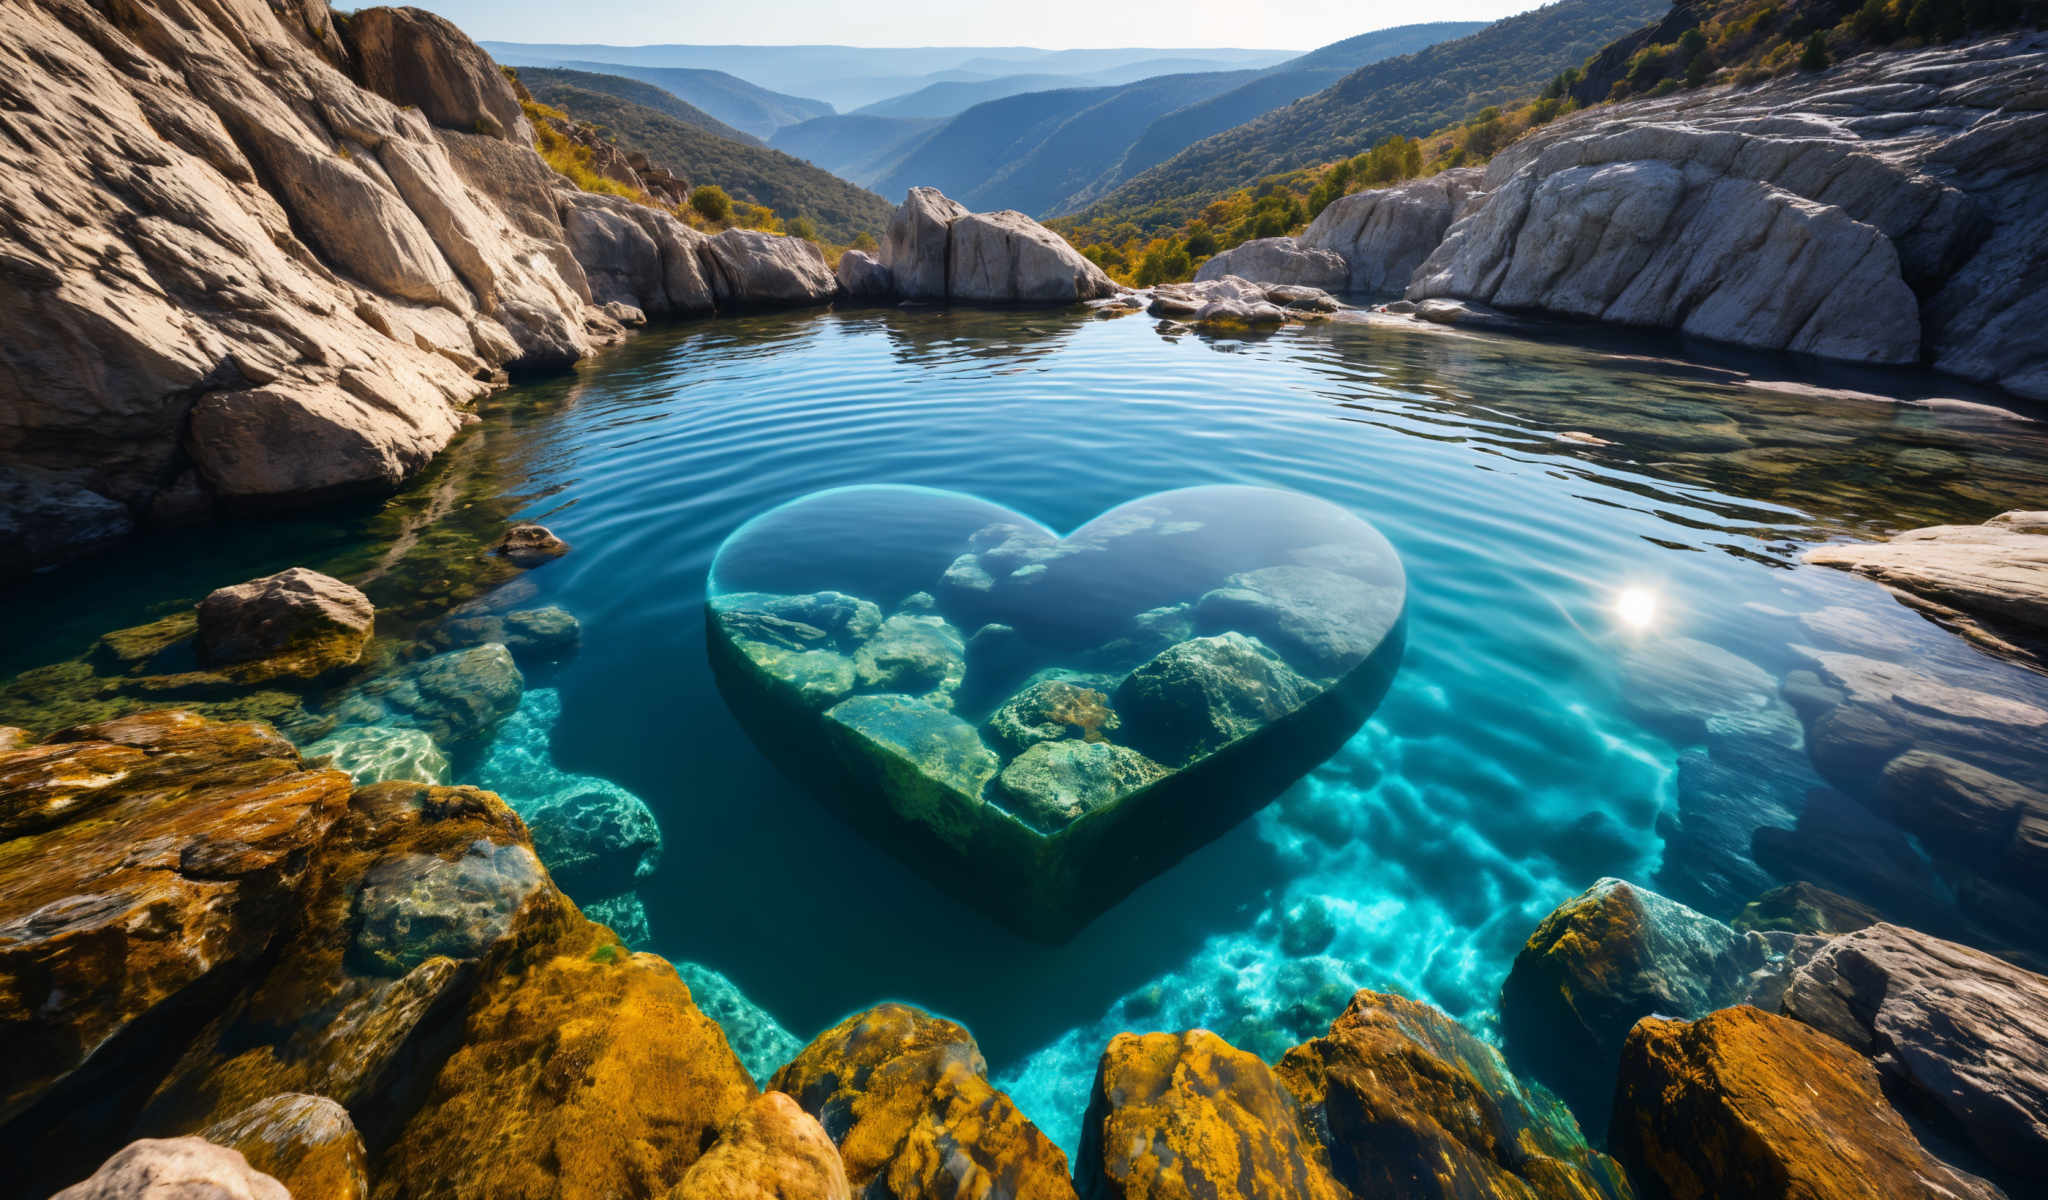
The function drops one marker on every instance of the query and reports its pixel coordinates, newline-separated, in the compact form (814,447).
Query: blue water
(1502,773)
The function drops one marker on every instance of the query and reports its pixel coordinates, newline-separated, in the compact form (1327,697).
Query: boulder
(1232,300)
(1887,707)
(1280,260)
(186,1168)
(530,545)
(1203,694)
(410,908)
(374,754)
(759,1040)
(1996,827)
(747,267)
(1407,1102)
(906,1097)
(772,1150)
(459,698)
(915,654)
(1053,784)
(1383,234)
(1051,710)
(862,276)
(915,247)
(1188,1116)
(636,255)
(1742,1103)
(1961,1034)
(1803,908)
(944,752)
(534,635)
(1988,581)
(1008,258)
(294,623)
(307,1143)
(412,57)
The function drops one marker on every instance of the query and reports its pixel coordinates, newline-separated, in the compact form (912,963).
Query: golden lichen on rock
(772,1151)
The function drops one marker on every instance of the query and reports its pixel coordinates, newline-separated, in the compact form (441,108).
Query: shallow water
(1557,589)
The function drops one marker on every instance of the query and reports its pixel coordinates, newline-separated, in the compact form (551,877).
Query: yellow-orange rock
(907,1097)
(586,1074)
(1743,1103)
(772,1151)
(1407,1102)
(307,1143)
(1188,1116)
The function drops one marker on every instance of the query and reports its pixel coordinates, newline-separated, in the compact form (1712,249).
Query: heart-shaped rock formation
(1040,724)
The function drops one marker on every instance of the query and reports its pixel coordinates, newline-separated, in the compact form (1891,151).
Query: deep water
(1550,579)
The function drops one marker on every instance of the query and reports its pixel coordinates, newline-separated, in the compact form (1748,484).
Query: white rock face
(863,277)
(1385,233)
(747,267)
(186,1168)
(1280,260)
(1892,210)
(937,250)
(914,249)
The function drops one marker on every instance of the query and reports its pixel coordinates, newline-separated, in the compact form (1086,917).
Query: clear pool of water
(1590,532)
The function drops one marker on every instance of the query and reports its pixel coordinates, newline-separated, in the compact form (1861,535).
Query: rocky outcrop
(748,267)
(862,276)
(297,622)
(1280,260)
(1959,1034)
(772,1151)
(1989,582)
(938,251)
(307,1143)
(1384,234)
(1886,211)
(186,1168)
(1742,1103)
(421,60)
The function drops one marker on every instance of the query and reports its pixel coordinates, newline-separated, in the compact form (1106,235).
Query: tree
(864,241)
(1165,263)
(1815,56)
(711,203)
(1201,241)
(1873,22)
(801,226)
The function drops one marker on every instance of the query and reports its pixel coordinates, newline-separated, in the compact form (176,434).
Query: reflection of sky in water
(1552,585)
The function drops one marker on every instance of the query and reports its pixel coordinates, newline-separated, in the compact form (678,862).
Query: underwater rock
(1989,581)
(1889,708)
(820,678)
(1054,784)
(906,1096)
(1600,962)
(459,698)
(530,545)
(772,1150)
(1321,621)
(916,654)
(1407,1102)
(1803,908)
(414,907)
(533,635)
(148,860)
(296,623)
(1052,710)
(188,1168)
(307,1143)
(374,754)
(910,733)
(1845,847)
(1742,1103)
(1740,782)
(625,915)
(759,1040)
(1205,693)
(1188,1116)
(1964,1035)
(967,574)
(831,620)
(1149,633)
(1674,686)
(1997,827)
(589,1065)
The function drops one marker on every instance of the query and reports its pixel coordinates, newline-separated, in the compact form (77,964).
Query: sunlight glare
(1636,607)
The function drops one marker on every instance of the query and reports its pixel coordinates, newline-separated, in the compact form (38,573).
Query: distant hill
(747,170)
(1049,152)
(747,107)
(856,147)
(659,99)
(949,97)
(1411,95)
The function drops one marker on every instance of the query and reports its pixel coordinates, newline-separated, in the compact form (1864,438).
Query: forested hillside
(637,92)
(742,105)
(857,147)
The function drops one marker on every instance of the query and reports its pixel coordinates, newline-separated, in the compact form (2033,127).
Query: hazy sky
(1052,24)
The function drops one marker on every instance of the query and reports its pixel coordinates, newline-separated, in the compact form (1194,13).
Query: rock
(1468,314)
(373,754)
(1997,827)
(533,635)
(14,738)
(1008,258)
(625,314)
(759,1040)
(908,734)
(833,620)
(186,1168)
(1205,693)
(1676,685)
(1407,1102)
(862,276)
(1383,234)
(914,654)
(1053,784)
(412,57)
(1323,622)
(1280,260)
(1742,1103)
(307,1143)
(1989,581)
(906,1096)
(749,267)
(1803,908)
(1190,1117)
(295,623)
(1961,1034)
(916,245)
(590,1065)
(1051,710)
(1841,845)
(459,698)
(1890,707)
(625,914)
(197,846)
(633,254)
(1231,300)
(530,545)
(411,908)
(772,1150)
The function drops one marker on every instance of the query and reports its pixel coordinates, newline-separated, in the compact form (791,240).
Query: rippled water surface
(1560,587)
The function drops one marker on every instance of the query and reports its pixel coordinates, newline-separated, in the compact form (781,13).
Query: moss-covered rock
(1803,908)
(772,1151)
(1205,693)
(906,1096)
(1054,784)
(297,623)
(307,1143)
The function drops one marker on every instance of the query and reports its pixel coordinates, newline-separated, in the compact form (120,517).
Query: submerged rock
(374,754)
(534,635)
(1053,784)
(1320,620)
(307,1143)
(906,1096)
(1803,908)
(916,654)
(411,908)
(1675,686)
(910,735)
(1051,710)
(1206,693)
(531,545)
(294,623)
(1742,1103)
(772,1150)
(809,621)
(459,698)
(176,1167)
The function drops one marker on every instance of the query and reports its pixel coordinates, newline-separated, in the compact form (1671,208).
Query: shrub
(1815,56)
(801,226)
(711,203)
(1165,263)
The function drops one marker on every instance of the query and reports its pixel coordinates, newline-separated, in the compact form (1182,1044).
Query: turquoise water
(1559,591)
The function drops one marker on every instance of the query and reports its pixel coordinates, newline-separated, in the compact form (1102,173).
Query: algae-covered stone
(294,623)
(411,908)
(820,678)
(458,698)
(307,1143)
(533,635)
(374,754)
(1049,710)
(1408,1102)
(1803,908)
(1323,621)
(796,622)
(1742,1103)
(1188,1116)
(1054,784)
(910,734)
(772,1151)
(761,1042)
(906,1096)
(531,545)
(914,654)
(1205,693)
